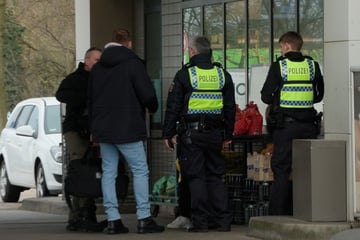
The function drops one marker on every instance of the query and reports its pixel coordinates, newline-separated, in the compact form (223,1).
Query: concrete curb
(56,205)
(264,227)
(278,227)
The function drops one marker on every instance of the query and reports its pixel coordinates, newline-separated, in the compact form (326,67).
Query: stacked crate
(248,180)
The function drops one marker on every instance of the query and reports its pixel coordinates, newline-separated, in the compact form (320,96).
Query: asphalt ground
(17,223)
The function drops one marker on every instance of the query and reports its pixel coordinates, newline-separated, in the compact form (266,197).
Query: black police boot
(89,220)
(148,225)
(74,225)
(116,227)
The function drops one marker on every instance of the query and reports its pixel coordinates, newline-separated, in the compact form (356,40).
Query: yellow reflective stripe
(206,97)
(199,101)
(207,104)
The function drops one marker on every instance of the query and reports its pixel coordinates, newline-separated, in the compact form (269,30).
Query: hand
(226,142)
(169,143)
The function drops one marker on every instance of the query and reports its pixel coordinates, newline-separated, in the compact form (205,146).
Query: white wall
(82,28)
(341,52)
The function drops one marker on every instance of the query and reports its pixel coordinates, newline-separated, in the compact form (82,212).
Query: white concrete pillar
(82,28)
(341,53)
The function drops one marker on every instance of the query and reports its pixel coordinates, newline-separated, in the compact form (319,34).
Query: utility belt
(200,125)
(289,119)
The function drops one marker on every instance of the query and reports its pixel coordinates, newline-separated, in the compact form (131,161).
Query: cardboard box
(250,162)
(262,168)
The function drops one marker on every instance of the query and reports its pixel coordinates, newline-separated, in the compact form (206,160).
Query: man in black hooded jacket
(73,92)
(120,91)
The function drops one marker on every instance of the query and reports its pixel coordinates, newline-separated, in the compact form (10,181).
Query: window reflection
(311,28)
(245,42)
(192,27)
(214,29)
(235,35)
(259,32)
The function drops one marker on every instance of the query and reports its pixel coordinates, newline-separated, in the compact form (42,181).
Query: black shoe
(116,227)
(148,225)
(74,225)
(220,228)
(90,226)
(223,229)
(196,229)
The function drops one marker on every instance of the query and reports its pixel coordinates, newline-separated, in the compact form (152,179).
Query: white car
(30,150)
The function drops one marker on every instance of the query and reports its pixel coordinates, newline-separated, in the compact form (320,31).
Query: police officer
(293,84)
(201,110)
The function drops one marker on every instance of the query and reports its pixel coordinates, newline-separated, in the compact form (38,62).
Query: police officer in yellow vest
(293,84)
(200,115)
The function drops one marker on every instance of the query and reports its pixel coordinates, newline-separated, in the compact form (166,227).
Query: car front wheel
(8,192)
(41,188)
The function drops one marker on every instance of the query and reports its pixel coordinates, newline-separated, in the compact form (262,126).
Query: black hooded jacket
(72,91)
(119,91)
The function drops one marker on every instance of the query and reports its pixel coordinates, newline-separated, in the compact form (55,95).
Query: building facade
(244,36)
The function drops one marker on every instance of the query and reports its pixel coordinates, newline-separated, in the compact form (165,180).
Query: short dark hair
(121,36)
(201,44)
(88,52)
(293,38)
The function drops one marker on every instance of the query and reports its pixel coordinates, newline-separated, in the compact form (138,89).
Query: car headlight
(56,153)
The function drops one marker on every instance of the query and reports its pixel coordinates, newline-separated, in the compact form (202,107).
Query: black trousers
(281,164)
(184,199)
(202,166)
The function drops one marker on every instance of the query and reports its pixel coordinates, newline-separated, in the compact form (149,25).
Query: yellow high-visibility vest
(297,90)
(207,84)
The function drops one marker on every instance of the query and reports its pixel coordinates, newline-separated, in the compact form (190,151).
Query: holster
(317,122)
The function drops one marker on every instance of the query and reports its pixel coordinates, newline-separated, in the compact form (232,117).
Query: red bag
(242,122)
(256,124)
(248,121)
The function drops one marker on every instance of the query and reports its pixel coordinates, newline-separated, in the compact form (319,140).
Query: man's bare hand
(169,143)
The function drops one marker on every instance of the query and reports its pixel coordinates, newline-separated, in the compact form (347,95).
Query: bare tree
(48,48)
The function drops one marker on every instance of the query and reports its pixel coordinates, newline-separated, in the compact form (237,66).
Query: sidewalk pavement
(265,227)
(57,207)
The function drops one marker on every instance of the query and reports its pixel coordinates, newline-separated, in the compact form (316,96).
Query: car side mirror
(26,131)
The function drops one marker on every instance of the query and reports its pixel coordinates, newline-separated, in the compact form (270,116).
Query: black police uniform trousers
(281,164)
(202,166)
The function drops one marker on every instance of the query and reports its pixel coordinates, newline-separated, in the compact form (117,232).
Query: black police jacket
(178,97)
(271,89)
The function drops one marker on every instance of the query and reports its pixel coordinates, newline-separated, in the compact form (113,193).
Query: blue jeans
(134,153)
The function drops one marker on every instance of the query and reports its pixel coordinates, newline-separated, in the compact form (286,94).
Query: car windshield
(52,119)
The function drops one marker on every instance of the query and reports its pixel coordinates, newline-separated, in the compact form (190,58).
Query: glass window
(12,119)
(52,119)
(24,116)
(34,119)
(259,32)
(312,28)
(236,48)
(284,20)
(192,27)
(235,35)
(214,30)
(259,55)
(244,35)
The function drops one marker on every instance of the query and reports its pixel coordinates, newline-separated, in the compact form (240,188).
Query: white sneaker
(179,222)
